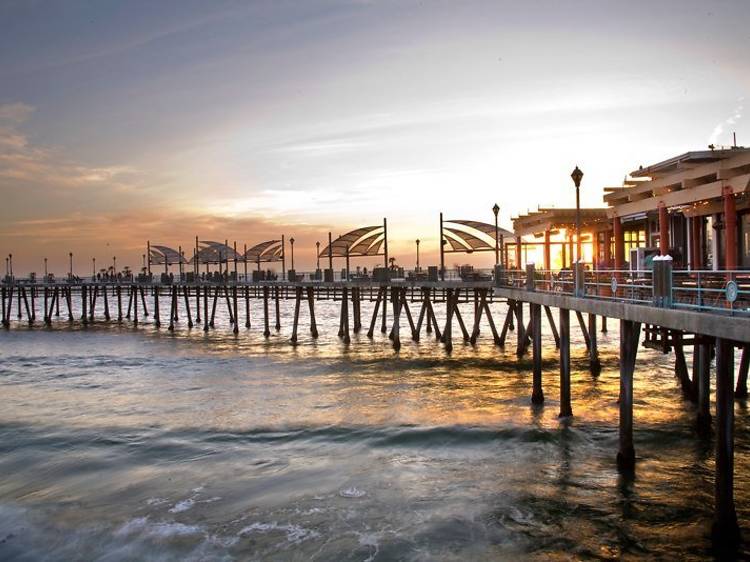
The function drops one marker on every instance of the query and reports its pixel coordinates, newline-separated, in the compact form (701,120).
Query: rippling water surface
(125,444)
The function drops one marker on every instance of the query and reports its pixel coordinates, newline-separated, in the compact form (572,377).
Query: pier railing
(725,292)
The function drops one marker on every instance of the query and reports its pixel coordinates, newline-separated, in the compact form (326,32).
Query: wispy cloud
(729,121)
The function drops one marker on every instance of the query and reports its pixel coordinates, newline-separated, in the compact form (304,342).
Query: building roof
(543,219)
(682,181)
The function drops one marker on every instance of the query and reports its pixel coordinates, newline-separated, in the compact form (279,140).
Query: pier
(681,285)
(669,317)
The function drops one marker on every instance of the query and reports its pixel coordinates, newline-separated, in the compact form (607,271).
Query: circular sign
(613,284)
(731,291)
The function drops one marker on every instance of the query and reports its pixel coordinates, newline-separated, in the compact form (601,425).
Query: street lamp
(93,267)
(114,265)
(577,176)
(496,210)
(317,254)
(45,268)
(10,261)
(417,254)
(71,264)
(291,243)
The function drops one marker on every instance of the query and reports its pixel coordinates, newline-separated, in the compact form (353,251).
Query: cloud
(731,120)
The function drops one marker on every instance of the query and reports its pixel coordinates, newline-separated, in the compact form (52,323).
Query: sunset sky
(127,121)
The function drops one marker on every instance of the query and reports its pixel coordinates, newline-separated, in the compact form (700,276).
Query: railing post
(530,269)
(579,275)
(499,276)
(662,281)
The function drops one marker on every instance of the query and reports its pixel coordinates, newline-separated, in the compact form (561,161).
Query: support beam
(741,390)
(702,370)
(680,367)
(521,332)
(311,305)
(725,529)
(266,328)
(595,365)
(537,395)
(584,330)
(629,334)
(566,408)
(295,322)
(378,300)
(345,314)
(552,326)
(157,318)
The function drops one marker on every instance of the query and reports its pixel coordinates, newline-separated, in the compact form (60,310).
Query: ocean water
(140,444)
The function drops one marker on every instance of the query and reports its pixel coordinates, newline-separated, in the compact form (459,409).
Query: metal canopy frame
(468,236)
(365,241)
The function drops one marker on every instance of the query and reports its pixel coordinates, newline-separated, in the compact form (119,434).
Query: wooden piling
(106,303)
(385,310)
(629,334)
(378,300)
(172,307)
(741,390)
(278,316)
(725,529)
(584,330)
(566,408)
(213,306)
(188,312)
(118,290)
(448,330)
(551,322)
(702,370)
(297,303)
(5,318)
(157,317)
(198,304)
(345,314)
(84,304)
(205,310)
(680,367)
(396,331)
(521,334)
(134,293)
(236,328)
(311,306)
(537,395)
(595,365)
(266,330)
(247,305)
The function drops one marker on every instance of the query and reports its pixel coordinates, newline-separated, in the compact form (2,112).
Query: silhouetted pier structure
(674,306)
(670,321)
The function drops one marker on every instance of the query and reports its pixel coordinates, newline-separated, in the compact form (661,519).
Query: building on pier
(695,207)
(547,237)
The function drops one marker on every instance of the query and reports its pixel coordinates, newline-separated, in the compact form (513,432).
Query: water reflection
(147,443)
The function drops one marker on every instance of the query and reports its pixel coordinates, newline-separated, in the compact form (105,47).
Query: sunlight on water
(144,444)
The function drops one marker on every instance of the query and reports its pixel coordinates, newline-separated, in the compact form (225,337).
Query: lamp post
(317,255)
(7,270)
(291,243)
(70,254)
(114,265)
(577,176)
(45,268)
(10,261)
(417,254)
(496,210)
(93,267)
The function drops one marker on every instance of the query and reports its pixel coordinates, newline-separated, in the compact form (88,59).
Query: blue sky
(122,121)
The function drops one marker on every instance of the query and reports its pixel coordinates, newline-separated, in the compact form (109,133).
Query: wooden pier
(412,305)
